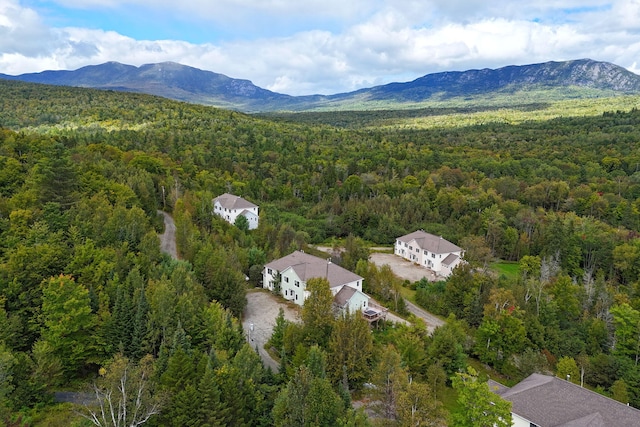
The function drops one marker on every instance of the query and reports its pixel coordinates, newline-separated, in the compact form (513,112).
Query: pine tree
(140,326)
(212,411)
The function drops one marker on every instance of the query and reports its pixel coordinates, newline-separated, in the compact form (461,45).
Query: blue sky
(316,46)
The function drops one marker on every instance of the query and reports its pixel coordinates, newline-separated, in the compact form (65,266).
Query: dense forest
(87,299)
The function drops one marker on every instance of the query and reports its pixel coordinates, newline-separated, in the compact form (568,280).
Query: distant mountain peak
(182,82)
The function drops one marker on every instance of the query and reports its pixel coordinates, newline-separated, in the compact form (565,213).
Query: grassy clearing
(408,294)
(509,269)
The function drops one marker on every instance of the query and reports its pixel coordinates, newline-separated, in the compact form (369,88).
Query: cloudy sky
(303,47)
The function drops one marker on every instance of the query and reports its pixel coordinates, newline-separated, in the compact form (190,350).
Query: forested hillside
(83,172)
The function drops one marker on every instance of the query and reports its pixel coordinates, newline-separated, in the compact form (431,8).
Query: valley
(549,190)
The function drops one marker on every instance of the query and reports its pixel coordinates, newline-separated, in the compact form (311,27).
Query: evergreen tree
(138,346)
(212,411)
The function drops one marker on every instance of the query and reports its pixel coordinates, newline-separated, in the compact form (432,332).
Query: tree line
(81,181)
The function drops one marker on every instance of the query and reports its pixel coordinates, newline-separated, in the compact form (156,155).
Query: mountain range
(567,79)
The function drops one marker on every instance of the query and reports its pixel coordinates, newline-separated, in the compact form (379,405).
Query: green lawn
(509,269)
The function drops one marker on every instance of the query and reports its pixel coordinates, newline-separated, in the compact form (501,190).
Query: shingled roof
(552,402)
(231,201)
(434,244)
(308,266)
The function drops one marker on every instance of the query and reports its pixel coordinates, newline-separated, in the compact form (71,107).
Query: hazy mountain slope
(569,79)
(580,73)
(167,79)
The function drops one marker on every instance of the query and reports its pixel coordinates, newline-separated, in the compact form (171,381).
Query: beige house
(429,251)
(294,270)
(229,207)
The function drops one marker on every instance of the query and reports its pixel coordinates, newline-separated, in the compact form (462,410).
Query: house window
(286,279)
(433,255)
(426,252)
(405,245)
(269,271)
(285,292)
(418,250)
(410,248)
(296,297)
(297,283)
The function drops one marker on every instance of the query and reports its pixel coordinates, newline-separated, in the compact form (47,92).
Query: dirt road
(259,318)
(168,238)
(431,320)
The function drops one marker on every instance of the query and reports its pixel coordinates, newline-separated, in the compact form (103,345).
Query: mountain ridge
(184,83)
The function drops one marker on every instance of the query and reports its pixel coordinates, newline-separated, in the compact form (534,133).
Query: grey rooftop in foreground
(549,401)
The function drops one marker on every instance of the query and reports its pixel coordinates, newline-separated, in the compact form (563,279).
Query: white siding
(293,288)
(518,421)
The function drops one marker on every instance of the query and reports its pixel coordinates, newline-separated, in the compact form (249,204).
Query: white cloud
(22,31)
(385,41)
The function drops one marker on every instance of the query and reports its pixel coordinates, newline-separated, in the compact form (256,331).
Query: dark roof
(552,402)
(496,387)
(231,201)
(342,298)
(434,244)
(308,266)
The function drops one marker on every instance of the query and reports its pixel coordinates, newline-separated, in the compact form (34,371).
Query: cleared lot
(401,267)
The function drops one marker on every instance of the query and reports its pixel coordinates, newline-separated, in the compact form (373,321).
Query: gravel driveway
(168,238)
(259,318)
(401,267)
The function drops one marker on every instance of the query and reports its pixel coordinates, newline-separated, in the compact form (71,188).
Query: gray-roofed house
(229,207)
(546,401)
(294,270)
(429,251)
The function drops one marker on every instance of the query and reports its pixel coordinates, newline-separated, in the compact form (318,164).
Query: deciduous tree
(481,407)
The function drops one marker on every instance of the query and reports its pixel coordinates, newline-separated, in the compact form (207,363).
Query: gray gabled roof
(434,244)
(231,201)
(342,298)
(552,402)
(308,266)
(450,259)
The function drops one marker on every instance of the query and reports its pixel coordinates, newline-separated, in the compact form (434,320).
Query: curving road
(431,320)
(260,314)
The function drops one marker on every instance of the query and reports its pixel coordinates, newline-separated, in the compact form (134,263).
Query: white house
(294,270)
(350,299)
(546,401)
(432,252)
(229,207)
